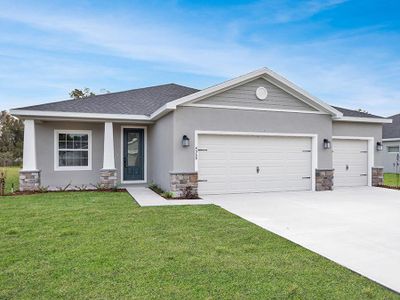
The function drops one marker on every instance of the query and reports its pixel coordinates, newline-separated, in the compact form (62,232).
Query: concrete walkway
(358,228)
(146,197)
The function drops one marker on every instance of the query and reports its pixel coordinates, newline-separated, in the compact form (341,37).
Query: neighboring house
(391,145)
(254,133)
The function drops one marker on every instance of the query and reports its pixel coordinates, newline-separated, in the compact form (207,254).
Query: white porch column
(29,176)
(29,155)
(108,155)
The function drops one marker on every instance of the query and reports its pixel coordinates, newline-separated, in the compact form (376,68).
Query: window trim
(393,146)
(57,167)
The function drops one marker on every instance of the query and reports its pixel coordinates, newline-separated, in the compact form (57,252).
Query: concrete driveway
(358,228)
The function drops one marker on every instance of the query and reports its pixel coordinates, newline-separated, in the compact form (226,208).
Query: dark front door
(133,154)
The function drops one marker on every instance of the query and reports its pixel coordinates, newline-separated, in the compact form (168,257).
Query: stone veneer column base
(324,179)
(29,180)
(108,178)
(184,183)
(377,176)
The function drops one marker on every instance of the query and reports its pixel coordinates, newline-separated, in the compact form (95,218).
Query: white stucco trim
(314,146)
(57,167)
(39,113)
(254,108)
(362,120)
(391,140)
(29,162)
(371,151)
(108,150)
(122,155)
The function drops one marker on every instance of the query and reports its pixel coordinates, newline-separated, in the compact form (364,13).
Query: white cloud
(331,67)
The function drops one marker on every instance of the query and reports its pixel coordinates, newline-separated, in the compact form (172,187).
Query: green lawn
(102,245)
(12,178)
(391,179)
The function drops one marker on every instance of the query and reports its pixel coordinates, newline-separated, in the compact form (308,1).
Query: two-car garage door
(240,164)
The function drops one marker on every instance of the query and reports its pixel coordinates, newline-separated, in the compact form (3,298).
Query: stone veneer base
(29,180)
(324,179)
(377,176)
(108,178)
(183,182)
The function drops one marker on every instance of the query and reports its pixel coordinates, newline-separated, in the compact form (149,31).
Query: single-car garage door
(241,164)
(350,161)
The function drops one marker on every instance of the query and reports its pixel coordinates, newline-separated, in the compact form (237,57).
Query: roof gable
(244,96)
(265,73)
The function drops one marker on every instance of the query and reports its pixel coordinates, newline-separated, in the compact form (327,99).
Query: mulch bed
(390,187)
(160,192)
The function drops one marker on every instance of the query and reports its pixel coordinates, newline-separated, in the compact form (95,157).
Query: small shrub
(43,189)
(116,187)
(82,187)
(154,187)
(168,195)
(63,189)
(97,186)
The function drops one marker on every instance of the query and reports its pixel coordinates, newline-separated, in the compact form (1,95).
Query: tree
(81,94)
(11,139)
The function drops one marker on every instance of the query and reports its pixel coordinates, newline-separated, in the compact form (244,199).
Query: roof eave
(363,120)
(77,115)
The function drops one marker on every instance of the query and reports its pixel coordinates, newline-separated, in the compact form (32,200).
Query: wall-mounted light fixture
(327,144)
(379,146)
(185,141)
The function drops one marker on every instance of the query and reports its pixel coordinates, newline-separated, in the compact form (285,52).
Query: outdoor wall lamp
(379,146)
(327,144)
(185,141)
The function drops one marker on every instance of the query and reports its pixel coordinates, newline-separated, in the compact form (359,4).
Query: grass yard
(12,178)
(102,245)
(391,179)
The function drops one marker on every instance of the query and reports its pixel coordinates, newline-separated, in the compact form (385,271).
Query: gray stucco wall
(245,96)
(45,154)
(361,130)
(160,160)
(189,119)
(165,152)
(389,158)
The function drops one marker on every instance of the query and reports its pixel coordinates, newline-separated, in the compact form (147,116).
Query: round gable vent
(261,93)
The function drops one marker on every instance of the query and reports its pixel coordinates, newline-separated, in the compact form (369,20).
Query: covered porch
(83,154)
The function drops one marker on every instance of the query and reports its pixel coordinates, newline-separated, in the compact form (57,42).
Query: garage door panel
(282,163)
(350,161)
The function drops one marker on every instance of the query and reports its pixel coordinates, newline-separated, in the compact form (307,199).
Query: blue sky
(344,52)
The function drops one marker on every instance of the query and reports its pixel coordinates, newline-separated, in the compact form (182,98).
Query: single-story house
(255,133)
(391,145)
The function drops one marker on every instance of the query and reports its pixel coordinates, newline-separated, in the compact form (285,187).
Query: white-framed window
(73,150)
(393,149)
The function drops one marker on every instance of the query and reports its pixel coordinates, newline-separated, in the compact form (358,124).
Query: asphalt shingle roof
(143,101)
(392,131)
(355,113)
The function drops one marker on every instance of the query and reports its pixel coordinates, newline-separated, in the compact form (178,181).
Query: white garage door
(350,161)
(241,164)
